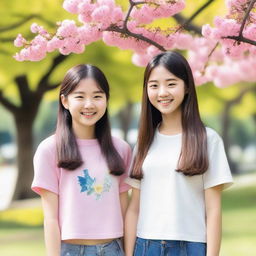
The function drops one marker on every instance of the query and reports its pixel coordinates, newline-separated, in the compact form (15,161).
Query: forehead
(87,85)
(160,72)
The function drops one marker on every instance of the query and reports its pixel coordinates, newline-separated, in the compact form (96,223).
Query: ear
(64,101)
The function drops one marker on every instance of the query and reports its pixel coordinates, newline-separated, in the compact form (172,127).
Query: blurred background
(25,120)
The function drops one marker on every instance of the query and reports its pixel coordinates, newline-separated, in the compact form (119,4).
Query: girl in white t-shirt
(80,171)
(179,169)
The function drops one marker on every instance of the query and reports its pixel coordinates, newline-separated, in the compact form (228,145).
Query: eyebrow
(95,92)
(169,79)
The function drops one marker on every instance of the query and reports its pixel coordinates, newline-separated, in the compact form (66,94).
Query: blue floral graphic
(90,186)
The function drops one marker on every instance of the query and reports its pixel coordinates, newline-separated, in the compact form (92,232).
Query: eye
(152,86)
(171,85)
(79,97)
(97,96)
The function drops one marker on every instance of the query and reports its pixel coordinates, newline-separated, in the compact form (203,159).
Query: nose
(88,103)
(162,92)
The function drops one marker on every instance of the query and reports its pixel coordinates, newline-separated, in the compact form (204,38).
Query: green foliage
(21,217)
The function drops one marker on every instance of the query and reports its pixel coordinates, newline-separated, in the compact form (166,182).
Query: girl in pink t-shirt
(80,171)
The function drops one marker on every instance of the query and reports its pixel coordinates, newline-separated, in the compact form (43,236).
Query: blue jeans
(113,248)
(147,247)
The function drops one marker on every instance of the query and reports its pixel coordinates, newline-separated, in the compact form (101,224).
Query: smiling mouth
(165,102)
(88,114)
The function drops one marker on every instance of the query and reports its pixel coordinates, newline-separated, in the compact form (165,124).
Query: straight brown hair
(68,153)
(193,158)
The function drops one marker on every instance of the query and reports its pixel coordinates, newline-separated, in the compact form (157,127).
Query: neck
(171,124)
(86,133)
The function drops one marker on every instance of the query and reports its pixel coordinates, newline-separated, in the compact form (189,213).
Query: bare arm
(51,224)
(213,219)
(124,203)
(131,220)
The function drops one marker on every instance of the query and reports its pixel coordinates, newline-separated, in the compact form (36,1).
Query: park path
(8,179)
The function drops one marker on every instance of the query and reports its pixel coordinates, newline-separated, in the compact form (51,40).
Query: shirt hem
(92,236)
(133,183)
(225,181)
(38,187)
(179,237)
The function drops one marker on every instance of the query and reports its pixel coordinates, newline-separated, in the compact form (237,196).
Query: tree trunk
(125,117)
(225,135)
(226,123)
(24,133)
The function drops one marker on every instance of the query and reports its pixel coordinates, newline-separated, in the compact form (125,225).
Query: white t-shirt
(172,205)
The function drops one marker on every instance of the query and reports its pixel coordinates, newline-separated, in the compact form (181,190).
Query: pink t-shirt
(89,203)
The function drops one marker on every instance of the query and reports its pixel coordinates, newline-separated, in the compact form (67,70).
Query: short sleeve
(123,187)
(131,181)
(218,172)
(45,170)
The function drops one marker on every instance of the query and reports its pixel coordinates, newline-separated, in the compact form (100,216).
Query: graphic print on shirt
(90,186)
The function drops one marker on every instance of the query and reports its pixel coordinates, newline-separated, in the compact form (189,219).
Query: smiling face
(87,103)
(165,91)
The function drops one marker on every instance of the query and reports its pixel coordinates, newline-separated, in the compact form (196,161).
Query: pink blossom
(88,34)
(67,29)
(206,31)
(102,15)
(19,41)
(34,28)
(109,3)
(71,5)
(199,78)
(225,76)
(152,51)
(85,10)
(183,41)
(18,57)
(144,15)
(147,13)
(117,15)
(250,32)
(140,60)
(54,44)
(30,53)
(79,49)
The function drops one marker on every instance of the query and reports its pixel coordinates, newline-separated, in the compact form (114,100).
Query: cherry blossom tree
(221,54)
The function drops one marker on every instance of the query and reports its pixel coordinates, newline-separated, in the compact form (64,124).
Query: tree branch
(240,38)
(52,87)
(7,39)
(6,53)
(17,24)
(114,28)
(189,26)
(7,104)
(194,15)
(11,39)
(241,94)
(23,21)
(23,87)
(125,31)
(43,84)
(246,17)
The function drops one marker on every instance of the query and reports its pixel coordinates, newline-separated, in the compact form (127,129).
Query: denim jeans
(147,247)
(113,248)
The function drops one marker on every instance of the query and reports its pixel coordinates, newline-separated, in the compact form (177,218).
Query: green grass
(239,222)
(21,231)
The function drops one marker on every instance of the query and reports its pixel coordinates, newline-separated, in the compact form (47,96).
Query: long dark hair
(193,157)
(68,153)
